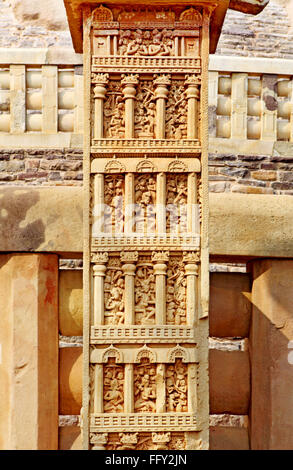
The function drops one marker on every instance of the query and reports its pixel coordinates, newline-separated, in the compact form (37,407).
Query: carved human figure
(145,199)
(176,387)
(176,292)
(145,294)
(176,111)
(176,203)
(145,388)
(114,293)
(114,204)
(113,388)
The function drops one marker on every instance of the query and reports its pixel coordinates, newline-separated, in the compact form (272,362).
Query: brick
(264,175)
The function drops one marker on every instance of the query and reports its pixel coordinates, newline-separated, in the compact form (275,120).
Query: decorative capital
(161,437)
(99,438)
(162,80)
(128,438)
(129,80)
(160,256)
(191,257)
(192,79)
(100,78)
(99,258)
(129,256)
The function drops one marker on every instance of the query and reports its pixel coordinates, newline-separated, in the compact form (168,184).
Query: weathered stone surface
(230,309)
(29,339)
(51,15)
(70,303)
(50,219)
(229,438)
(229,373)
(70,380)
(271,357)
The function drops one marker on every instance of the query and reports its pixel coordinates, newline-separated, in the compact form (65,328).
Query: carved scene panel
(145,292)
(176,292)
(114,292)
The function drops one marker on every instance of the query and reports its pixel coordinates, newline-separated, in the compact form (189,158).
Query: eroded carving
(114,292)
(144,292)
(176,387)
(176,203)
(176,292)
(145,387)
(176,111)
(113,388)
(145,199)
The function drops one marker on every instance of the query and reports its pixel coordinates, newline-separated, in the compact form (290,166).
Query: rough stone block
(230,307)
(70,380)
(70,438)
(228,438)
(229,373)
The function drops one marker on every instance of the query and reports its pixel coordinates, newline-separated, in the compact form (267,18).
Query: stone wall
(38,23)
(252,174)
(268,34)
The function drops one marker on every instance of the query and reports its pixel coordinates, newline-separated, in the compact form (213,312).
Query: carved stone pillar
(99,269)
(192,388)
(161,94)
(129,203)
(129,275)
(128,389)
(160,270)
(192,207)
(191,271)
(192,92)
(129,83)
(99,392)
(98,205)
(161,389)
(101,81)
(161,203)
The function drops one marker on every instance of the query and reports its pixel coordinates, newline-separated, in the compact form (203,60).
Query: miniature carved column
(161,388)
(98,205)
(99,269)
(129,274)
(160,271)
(101,81)
(193,225)
(191,388)
(129,203)
(192,94)
(129,82)
(191,271)
(99,389)
(161,95)
(128,389)
(161,203)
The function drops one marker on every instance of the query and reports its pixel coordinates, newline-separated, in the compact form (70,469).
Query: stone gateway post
(146,281)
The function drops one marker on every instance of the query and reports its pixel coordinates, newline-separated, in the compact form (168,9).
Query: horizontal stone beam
(50,220)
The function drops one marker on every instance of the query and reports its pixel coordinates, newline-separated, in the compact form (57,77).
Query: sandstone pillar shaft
(99,270)
(192,93)
(161,96)
(271,358)
(100,90)
(129,83)
(29,342)
(129,274)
